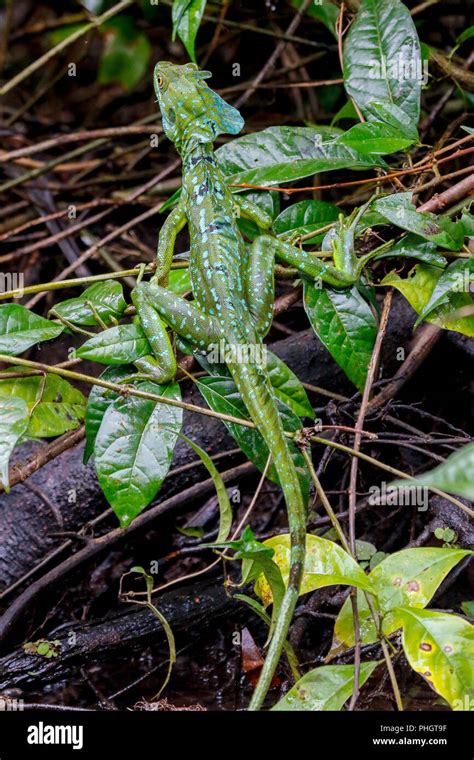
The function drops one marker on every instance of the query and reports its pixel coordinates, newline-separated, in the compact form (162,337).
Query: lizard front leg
(157,308)
(266,247)
(249,210)
(172,225)
(260,284)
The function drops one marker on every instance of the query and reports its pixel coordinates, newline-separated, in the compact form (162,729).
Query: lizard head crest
(191,111)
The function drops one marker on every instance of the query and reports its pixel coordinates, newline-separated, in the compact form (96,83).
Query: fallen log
(27,519)
(187,609)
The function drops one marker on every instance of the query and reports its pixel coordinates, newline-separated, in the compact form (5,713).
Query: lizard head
(192,113)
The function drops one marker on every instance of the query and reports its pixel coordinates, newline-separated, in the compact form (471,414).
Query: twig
(39,62)
(21,471)
(372,369)
(276,52)
(97,545)
(86,134)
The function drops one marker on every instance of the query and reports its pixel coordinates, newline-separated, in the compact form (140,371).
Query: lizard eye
(160,80)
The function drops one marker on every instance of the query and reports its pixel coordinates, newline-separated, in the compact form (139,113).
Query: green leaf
(285,384)
(58,35)
(326,564)
(407,578)
(414,247)
(13,425)
(225,509)
(468,609)
(106,298)
(440,647)
(393,116)
(287,387)
(375,138)
(418,288)
(187,16)
(399,210)
(347,111)
(465,35)
(256,559)
(179,281)
(324,688)
(345,324)
(323,11)
(467,220)
(455,475)
(382,58)
(21,328)
(283,154)
(134,447)
(126,53)
(53,405)
(222,395)
(305,217)
(99,401)
(456,278)
(122,344)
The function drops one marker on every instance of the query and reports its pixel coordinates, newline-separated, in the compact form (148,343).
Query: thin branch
(39,62)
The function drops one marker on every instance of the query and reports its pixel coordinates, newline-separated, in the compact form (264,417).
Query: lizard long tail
(255,391)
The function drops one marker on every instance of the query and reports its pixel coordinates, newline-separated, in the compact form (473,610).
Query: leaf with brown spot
(440,647)
(407,578)
(326,564)
(324,688)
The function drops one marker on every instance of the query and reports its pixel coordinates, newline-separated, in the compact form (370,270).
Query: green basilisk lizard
(233,290)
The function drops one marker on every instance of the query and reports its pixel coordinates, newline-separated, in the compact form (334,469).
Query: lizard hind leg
(158,309)
(161,363)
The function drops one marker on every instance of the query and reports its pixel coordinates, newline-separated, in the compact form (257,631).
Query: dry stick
(22,470)
(97,545)
(422,6)
(425,340)
(373,365)
(224,554)
(441,142)
(99,519)
(428,335)
(117,232)
(441,179)
(62,234)
(39,62)
(87,134)
(449,196)
(123,390)
(276,52)
(388,468)
(128,390)
(75,282)
(47,166)
(217,32)
(283,70)
(453,70)
(40,220)
(294,85)
(340,35)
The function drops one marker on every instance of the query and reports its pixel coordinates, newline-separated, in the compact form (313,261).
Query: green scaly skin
(233,291)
